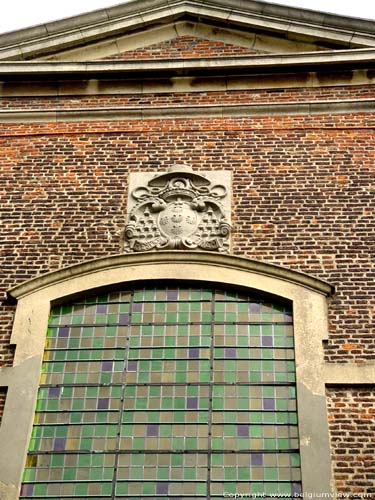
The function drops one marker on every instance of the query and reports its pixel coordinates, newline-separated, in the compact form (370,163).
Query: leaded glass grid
(170,392)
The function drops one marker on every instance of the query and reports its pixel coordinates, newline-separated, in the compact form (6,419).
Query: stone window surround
(308,295)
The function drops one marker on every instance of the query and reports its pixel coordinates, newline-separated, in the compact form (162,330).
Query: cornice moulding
(105,23)
(225,65)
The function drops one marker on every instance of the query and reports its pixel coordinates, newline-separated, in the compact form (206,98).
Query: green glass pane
(230,473)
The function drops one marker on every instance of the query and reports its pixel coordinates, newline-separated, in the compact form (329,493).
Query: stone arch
(35,297)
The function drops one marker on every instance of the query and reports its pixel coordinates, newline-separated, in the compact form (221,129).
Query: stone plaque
(179,209)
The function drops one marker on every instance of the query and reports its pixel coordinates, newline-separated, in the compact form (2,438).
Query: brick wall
(184,47)
(352,428)
(258,96)
(302,198)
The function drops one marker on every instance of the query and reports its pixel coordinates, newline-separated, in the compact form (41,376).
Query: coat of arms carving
(179,209)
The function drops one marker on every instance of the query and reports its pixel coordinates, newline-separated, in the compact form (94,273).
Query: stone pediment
(253,26)
(183,39)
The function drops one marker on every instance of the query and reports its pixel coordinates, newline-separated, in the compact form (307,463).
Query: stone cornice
(293,23)
(205,66)
(199,111)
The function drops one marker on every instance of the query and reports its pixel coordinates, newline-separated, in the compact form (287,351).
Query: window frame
(36,297)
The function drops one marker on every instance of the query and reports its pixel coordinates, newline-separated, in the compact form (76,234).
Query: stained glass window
(177,393)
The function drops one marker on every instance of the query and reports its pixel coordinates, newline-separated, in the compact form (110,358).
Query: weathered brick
(302,199)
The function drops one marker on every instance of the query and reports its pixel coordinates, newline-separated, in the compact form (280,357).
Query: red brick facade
(303,198)
(352,428)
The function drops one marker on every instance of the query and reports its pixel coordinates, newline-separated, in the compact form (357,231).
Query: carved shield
(178,220)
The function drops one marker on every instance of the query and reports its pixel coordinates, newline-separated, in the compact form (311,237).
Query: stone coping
(292,15)
(293,23)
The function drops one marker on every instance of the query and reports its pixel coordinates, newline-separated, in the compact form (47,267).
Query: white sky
(16,14)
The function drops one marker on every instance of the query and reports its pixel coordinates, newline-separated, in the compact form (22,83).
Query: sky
(17,14)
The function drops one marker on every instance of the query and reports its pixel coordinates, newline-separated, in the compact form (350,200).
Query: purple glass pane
(256,459)
(254,308)
(172,295)
(191,403)
(132,366)
(101,308)
(103,404)
(267,341)
(64,331)
(59,444)
(230,352)
(107,366)
(152,430)
(242,430)
(193,352)
(268,404)
(27,490)
(54,392)
(162,488)
(288,318)
(296,488)
(137,307)
(124,319)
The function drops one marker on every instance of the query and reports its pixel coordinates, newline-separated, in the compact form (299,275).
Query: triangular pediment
(186,40)
(156,28)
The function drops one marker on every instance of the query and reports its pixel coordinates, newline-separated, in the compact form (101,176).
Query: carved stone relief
(179,209)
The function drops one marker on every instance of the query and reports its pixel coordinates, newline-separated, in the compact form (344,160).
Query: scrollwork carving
(179,209)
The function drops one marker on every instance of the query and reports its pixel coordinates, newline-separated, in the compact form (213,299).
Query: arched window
(167,375)
(164,392)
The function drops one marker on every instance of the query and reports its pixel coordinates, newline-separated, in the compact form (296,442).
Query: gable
(255,26)
(185,39)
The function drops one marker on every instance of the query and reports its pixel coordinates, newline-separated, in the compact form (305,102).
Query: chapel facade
(187,305)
